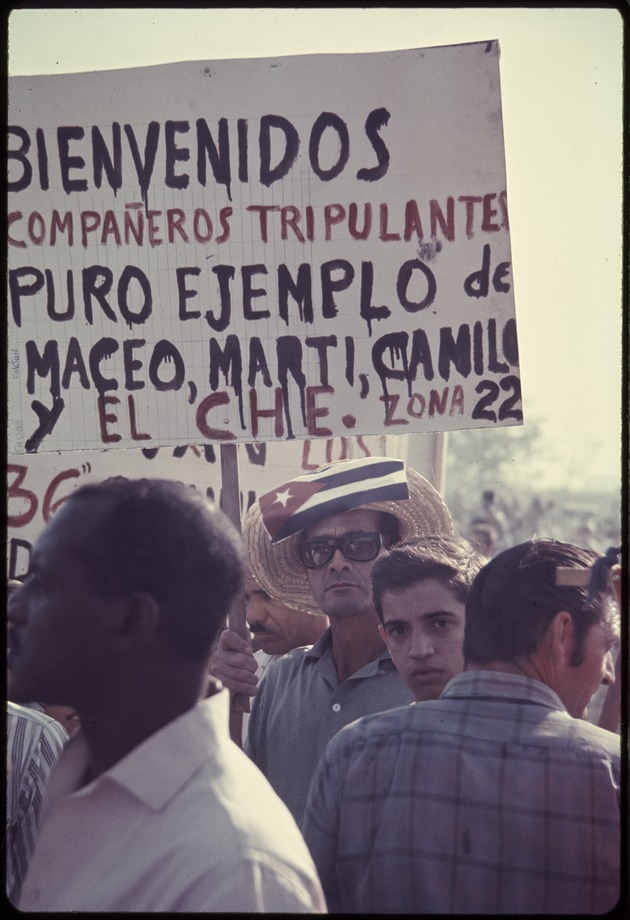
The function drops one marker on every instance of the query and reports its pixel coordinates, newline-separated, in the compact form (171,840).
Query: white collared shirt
(185,822)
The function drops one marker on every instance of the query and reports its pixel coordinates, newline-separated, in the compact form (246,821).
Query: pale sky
(561,83)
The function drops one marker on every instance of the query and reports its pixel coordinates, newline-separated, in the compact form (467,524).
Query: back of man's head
(517,595)
(449,559)
(164,538)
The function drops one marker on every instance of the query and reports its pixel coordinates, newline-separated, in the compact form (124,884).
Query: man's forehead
(55,550)
(427,596)
(252,587)
(73,525)
(358,519)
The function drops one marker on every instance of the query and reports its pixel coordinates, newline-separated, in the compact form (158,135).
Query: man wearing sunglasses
(312,543)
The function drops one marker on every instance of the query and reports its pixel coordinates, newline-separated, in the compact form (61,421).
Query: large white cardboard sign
(260,250)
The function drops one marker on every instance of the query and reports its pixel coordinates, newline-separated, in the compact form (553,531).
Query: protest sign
(260,250)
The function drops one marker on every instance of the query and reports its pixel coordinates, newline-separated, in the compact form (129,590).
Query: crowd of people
(415,735)
(497,519)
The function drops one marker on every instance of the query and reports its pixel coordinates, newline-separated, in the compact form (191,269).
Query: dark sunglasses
(358,547)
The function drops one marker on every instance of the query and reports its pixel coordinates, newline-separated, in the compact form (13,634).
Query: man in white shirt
(151,807)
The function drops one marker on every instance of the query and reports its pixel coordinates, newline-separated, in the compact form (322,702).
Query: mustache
(257,628)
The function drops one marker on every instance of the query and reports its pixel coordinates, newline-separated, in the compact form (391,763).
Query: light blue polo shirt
(300,705)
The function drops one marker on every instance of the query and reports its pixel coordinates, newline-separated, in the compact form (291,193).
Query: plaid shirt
(490,800)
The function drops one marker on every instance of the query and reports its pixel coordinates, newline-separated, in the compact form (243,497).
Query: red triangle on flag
(278,506)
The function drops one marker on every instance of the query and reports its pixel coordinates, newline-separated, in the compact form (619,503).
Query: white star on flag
(283,498)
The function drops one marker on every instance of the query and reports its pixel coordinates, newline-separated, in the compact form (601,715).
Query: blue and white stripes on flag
(303,501)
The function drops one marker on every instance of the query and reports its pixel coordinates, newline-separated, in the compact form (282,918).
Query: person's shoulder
(375,728)
(34,717)
(36,727)
(589,738)
(290,661)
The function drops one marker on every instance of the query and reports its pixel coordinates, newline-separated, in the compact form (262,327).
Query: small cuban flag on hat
(331,490)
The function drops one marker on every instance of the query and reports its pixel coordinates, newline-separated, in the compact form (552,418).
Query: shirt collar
(502,685)
(323,644)
(196,733)
(323,648)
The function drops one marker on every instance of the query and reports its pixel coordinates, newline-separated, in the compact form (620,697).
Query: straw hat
(273,525)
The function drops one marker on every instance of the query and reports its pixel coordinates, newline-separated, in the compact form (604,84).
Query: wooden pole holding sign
(231,506)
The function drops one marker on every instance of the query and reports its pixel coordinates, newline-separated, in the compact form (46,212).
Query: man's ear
(138,621)
(559,638)
(382,633)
